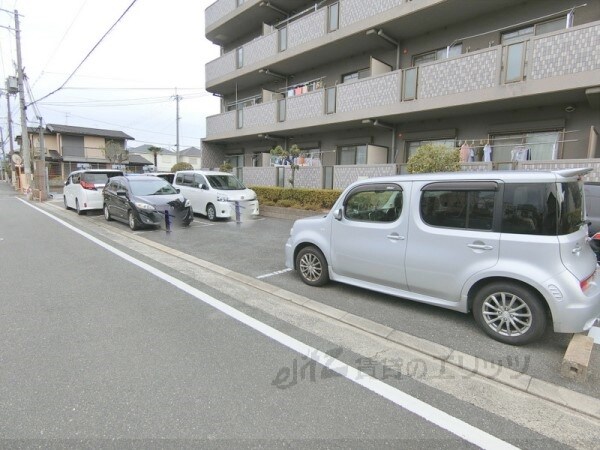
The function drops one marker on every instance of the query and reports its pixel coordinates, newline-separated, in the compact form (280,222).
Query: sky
(156,51)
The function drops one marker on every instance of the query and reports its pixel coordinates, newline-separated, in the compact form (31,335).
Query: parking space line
(272,274)
(594,333)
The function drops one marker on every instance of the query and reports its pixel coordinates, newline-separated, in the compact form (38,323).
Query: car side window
(377,203)
(199,180)
(179,179)
(530,208)
(467,208)
(188,179)
(76,178)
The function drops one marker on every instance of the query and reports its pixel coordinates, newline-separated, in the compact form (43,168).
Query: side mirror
(66,183)
(203,186)
(337,214)
(178,190)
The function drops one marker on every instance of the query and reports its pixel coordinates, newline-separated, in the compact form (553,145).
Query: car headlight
(144,206)
(222,198)
(187,203)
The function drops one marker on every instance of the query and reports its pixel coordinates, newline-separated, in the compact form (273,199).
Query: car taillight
(86,185)
(596,237)
(585,284)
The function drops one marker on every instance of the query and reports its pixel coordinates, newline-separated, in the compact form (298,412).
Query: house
(191,155)
(359,86)
(68,148)
(165,159)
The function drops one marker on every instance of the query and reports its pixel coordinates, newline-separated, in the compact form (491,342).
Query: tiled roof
(84,131)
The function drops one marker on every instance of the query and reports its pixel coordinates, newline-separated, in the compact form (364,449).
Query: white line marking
(438,417)
(272,274)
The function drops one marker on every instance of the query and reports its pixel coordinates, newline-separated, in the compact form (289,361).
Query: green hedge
(311,199)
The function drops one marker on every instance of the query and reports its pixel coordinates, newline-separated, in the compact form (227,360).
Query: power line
(89,53)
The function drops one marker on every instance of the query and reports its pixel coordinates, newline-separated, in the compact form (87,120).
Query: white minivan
(511,247)
(217,195)
(83,188)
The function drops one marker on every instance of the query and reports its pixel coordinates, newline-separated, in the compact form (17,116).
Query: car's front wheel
(65,201)
(510,313)
(312,266)
(211,212)
(107,215)
(133,222)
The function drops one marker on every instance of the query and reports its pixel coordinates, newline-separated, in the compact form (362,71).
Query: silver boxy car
(509,246)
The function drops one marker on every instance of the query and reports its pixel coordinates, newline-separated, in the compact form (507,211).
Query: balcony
(557,66)
(336,29)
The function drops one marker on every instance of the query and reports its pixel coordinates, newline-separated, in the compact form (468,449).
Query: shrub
(181,166)
(434,158)
(312,199)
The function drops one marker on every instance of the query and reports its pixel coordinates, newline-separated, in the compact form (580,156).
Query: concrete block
(577,358)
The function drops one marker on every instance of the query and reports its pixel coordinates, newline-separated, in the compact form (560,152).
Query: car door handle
(395,237)
(480,246)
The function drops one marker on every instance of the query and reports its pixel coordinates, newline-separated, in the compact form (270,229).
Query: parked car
(216,194)
(508,246)
(145,201)
(83,188)
(592,207)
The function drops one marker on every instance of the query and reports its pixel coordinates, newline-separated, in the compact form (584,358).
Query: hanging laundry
(487,153)
(298,90)
(471,154)
(520,153)
(465,152)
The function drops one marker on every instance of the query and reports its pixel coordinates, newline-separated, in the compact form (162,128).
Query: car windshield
(156,186)
(225,182)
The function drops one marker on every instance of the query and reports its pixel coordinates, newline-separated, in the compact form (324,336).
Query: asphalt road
(97,345)
(256,248)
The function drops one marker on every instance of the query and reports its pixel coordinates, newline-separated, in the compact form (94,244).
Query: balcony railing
(219,9)
(306,28)
(559,54)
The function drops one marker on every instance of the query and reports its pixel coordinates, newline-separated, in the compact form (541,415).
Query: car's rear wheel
(77,208)
(133,222)
(510,313)
(211,212)
(107,215)
(312,266)
(65,201)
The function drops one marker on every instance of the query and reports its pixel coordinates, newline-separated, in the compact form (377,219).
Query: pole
(10,135)
(25,150)
(3,166)
(177,124)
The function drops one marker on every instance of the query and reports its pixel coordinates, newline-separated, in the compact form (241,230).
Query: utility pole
(177,98)
(10,135)
(25,150)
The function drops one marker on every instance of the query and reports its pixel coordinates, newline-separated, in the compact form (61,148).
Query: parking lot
(256,248)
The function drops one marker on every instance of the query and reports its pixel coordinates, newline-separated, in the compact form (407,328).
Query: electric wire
(89,53)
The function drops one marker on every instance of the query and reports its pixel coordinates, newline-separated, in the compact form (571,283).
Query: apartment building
(359,85)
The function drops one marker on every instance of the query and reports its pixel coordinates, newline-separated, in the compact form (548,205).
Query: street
(113,335)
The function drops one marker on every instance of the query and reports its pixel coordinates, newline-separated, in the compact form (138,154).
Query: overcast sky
(128,83)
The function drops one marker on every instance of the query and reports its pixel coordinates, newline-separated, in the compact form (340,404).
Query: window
(359,74)
(352,154)
(545,209)
(239,57)
(534,30)
(515,62)
(375,203)
(409,84)
(282,39)
(412,146)
(330,100)
(464,206)
(537,146)
(435,55)
(333,19)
